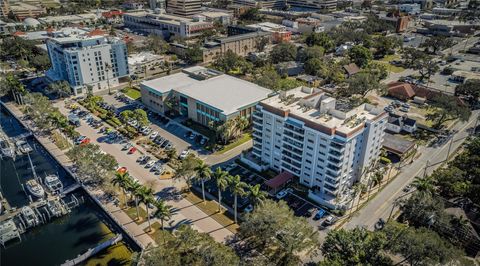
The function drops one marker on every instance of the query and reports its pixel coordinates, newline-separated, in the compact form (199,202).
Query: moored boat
(35,188)
(53,183)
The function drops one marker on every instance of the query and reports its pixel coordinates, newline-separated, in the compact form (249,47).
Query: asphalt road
(380,206)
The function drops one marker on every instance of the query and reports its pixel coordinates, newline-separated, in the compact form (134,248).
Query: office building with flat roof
(87,60)
(325,142)
(203,95)
(184,8)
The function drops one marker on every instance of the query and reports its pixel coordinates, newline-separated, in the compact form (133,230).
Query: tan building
(185,8)
(202,95)
(4,8)
(239,44)
(23,10)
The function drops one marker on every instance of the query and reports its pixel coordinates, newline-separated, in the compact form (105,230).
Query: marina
(41,205)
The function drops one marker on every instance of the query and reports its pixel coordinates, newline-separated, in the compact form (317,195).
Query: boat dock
(92,251)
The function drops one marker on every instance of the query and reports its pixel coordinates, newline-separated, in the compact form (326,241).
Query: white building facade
(87,61)
(303,132)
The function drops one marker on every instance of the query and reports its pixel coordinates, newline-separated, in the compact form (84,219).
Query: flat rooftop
(210,87)
(315,106)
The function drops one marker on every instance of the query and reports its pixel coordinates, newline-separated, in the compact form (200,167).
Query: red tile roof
(96,32)
(279,180)
(112,13)
(18,33)
(401,90)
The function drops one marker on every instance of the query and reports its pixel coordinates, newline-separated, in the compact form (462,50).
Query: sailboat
(32,185)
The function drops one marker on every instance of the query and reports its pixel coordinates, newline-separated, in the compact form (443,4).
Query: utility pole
(449,148)
(425,169)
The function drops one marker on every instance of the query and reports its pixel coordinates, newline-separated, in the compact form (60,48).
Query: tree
(252,14)
(321,39)
(411,55)
(436,43)
(261,43)
(186,169)
(156,44)
(426,66)
(60,88)
(11,85)
(163,211)
(354,247)
(145,195)
(237,187)
(92,165)
(204,173)
(135,189)
(283,52)
(39,108)
(420,207)
(256,195)
(377,69)
(230,129)
(470,90)
(273,230)
(230,61)
(121,180)
(308,53)
(268,78)
(361,84)
(385,45)
(420,246)
(446,108)
(451,182)
(360,55)
(194,54)
(221,180)
(424,185)
(40,62)
(189,247)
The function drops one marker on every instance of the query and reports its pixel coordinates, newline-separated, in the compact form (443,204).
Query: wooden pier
(92,251)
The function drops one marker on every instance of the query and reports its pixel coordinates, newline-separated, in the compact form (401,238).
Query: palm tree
(108,67)
(237,187)
(145,194)
(121,180)
(424,185)
(134,190)
(204,173)
(221,180)
(357,189)
(164,212)
(256,195)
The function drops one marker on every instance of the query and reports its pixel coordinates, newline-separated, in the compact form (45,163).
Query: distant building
(327,144)
(290,68)
(132,5)
(424,4)
(351,69)
(184,8)
(279,32)
(448,28)
(87,60)
(400,23)
(203,95)
(411,9)
(400,90)
(24,10)
(113,16)
(4,8)
(165,25)
(239,44)
(160,4)
(314,4)
(139,63)
(86,18)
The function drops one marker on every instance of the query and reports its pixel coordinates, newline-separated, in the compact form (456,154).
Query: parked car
(153,135)
(404,109)
(183,154)
(248,209)
(329,220)
(407,188)
(150,164)
(192,136)
(187,134)
(132,150)
(283,193)
(80,139)
(141,158)
(127,146)
(319,214)
(203,141)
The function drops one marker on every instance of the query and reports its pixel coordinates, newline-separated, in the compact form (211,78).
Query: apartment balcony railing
(291,148)
(292,156)
(293,135)
(292,141)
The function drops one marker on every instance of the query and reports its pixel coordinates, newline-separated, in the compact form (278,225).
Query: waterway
(65,237)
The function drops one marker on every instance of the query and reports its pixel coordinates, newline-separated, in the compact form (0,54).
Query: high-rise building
(4,8)
(154,4)
(86,60)
(185,8)
(313,4)
(326,143)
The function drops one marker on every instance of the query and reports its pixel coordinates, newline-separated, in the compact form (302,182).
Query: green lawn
(246,137)
(132,213)
(132,93)
(210,207)
(391,68)
(158,234)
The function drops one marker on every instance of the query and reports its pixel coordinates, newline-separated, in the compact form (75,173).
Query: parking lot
(170,129)
(300,206)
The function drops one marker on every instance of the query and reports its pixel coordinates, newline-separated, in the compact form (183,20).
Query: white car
(133,123)
(150,163)
(283,193)
(184,154)
(153,135)
(127,146)
(192,137)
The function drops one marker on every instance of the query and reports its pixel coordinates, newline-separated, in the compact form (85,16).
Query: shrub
(385,160)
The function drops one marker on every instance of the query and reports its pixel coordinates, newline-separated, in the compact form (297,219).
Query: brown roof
(279,180)
(397,144)
(96,32)
(351,69)
(401,90)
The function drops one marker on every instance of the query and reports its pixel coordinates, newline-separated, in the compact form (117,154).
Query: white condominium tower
(326,143)
(87,61)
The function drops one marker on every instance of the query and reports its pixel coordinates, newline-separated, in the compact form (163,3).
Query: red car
(122,170)
(132,150)
(85,141)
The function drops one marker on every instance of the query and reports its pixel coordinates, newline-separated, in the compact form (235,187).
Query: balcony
(292,163)
(258,127)
(291,168)
(257,134)
(292,156)
(337,147)
(332,182)
(334,170)
(291,148)
(257,146)
(334,161)
(292,135)
(293,142)
(335,154)
(258,115)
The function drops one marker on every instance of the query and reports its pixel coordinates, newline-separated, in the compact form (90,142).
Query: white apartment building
(322,141)
(85,60)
